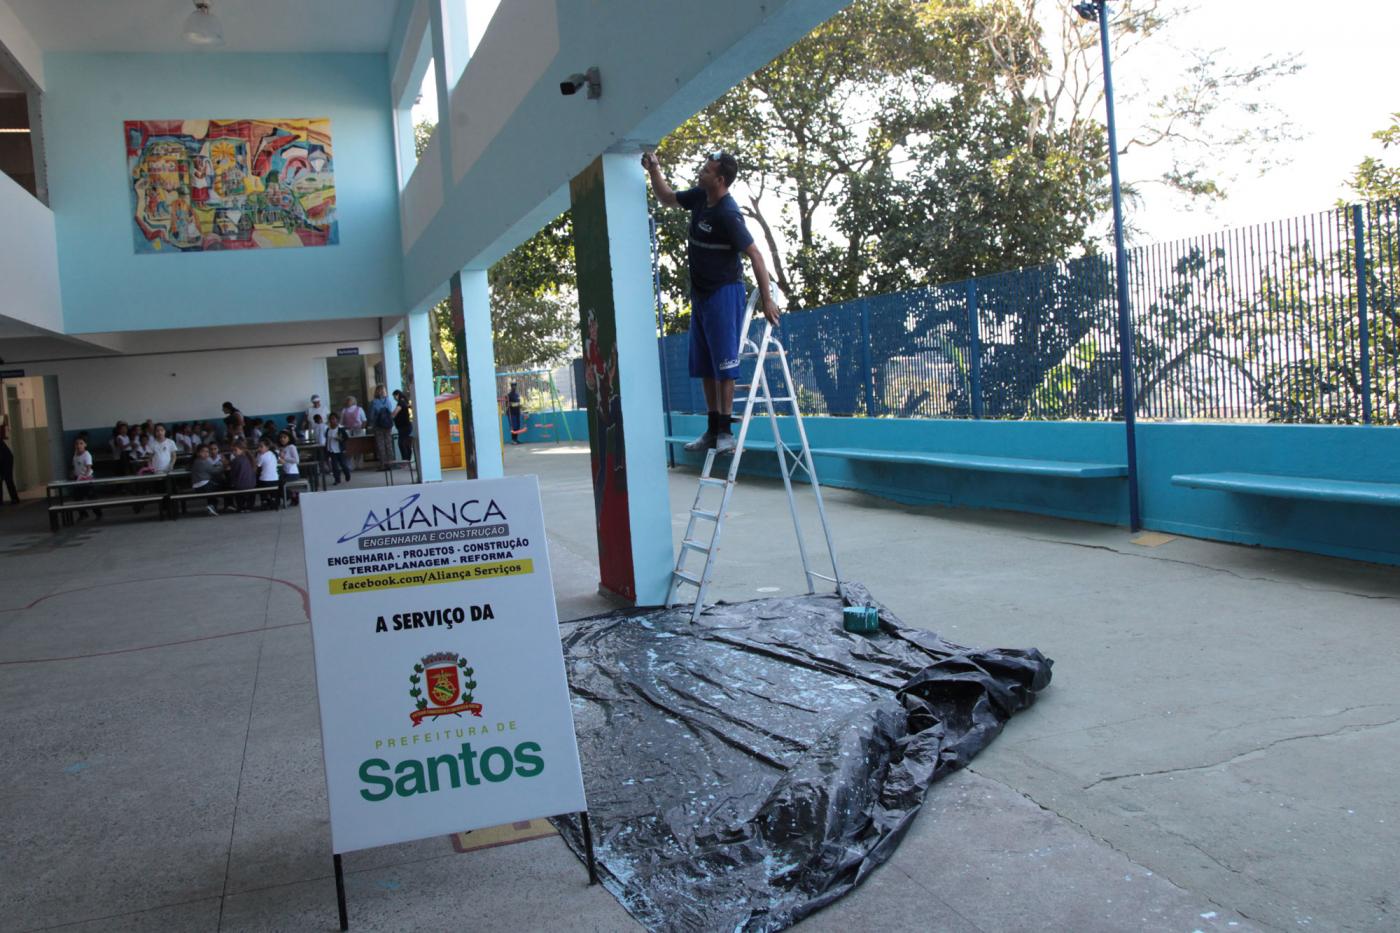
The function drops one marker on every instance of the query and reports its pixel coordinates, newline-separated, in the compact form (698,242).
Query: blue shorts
(716,327)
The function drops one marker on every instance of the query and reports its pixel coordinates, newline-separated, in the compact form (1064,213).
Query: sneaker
(703,442)
(211,510)
(724,444)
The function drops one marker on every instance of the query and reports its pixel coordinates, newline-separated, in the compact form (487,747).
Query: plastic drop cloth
(749,769)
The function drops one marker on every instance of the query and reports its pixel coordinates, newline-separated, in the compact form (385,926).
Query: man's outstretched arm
(664,194)
(765,288)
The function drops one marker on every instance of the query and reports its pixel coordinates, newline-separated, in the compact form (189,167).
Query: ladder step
(701,513)
(713,481)
(696,545)
(685,577)
(822,576)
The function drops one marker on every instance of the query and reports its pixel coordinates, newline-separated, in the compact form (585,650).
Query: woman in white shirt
(266,464)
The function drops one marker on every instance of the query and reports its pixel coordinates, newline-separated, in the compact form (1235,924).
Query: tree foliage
(533,319)
(1373,179)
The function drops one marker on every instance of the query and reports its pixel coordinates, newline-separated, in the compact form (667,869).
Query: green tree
(913,143)
(1373,179)
(533,316)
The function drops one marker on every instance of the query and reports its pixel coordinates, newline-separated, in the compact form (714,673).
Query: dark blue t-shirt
(717,239)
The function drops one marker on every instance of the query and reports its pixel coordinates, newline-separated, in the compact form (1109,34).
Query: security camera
(571,85)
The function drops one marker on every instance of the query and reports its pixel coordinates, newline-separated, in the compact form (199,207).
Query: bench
(1313,488)
(183,498)
(1024,466)
(1063,469)
(65,510)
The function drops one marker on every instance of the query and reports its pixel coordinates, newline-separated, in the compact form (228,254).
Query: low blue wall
(1367,454)
(1164,450)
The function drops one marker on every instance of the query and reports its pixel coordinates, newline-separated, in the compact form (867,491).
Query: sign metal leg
(587,848)
(340,892)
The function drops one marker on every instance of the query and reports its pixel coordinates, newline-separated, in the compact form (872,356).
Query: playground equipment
(542,405)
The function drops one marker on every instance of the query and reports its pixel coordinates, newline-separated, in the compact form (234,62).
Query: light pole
(1097,10)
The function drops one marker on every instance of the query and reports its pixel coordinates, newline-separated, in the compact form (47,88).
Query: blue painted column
(613,255)
(420,356)
(480,370)
(393,359)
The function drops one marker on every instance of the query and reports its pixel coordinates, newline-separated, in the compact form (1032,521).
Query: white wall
(28,259)
(191,385)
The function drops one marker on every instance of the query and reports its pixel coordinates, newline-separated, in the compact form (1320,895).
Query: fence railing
(1293,321)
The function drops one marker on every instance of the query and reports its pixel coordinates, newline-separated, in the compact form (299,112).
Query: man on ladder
(718,314)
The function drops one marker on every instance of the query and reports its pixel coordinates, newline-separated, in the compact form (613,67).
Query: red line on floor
(164,644)
(305,606)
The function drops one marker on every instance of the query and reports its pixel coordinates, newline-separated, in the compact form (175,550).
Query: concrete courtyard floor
(1217,751)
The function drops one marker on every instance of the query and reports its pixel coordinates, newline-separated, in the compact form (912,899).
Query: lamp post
(1097,10)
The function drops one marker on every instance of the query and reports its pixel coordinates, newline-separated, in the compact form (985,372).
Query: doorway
(345,375)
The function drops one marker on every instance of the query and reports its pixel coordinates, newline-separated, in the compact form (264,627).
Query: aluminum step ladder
(790,460)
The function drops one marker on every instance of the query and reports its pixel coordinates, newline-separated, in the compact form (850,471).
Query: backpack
(383,418)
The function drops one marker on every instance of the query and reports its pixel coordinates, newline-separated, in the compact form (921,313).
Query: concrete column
(476,368)
(393,359)
(420,357)
(613,252)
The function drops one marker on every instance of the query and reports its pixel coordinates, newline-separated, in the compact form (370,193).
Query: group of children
(146,448)
(263,468)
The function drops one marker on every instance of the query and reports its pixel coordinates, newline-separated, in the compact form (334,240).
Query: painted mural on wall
(200,185)
(598,320)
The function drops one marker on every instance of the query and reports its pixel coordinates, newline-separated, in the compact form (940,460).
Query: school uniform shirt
(204,471)
(335,440)
(241,472)
(82,465)
(318,432)
(162,455)
(121,446)
(290,457)
(267,467)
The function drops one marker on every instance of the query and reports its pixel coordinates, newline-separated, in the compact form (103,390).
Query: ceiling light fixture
(202,27)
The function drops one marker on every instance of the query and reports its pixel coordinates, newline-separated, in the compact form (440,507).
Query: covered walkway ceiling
(153,26)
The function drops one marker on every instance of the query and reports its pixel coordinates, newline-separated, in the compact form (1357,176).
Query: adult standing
(517,417)
(352,419)
(315,408)
(7,461)
(381,419)
(233,422)
(718,237)
(403,424)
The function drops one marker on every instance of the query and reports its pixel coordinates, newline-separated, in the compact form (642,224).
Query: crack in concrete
(1223,570)
(1108,844)
(1251,753)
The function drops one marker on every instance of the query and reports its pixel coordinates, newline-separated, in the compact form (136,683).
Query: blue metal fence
(1293,321)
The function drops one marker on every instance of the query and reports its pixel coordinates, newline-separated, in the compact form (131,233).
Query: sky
(1345,92)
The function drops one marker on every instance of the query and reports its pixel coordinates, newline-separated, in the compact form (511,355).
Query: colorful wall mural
(598,321)
(200,185)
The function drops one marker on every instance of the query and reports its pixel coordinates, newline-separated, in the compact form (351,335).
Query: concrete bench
(66,509)
(184,498)
(1314,488)
(1066,469)
(748,445)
